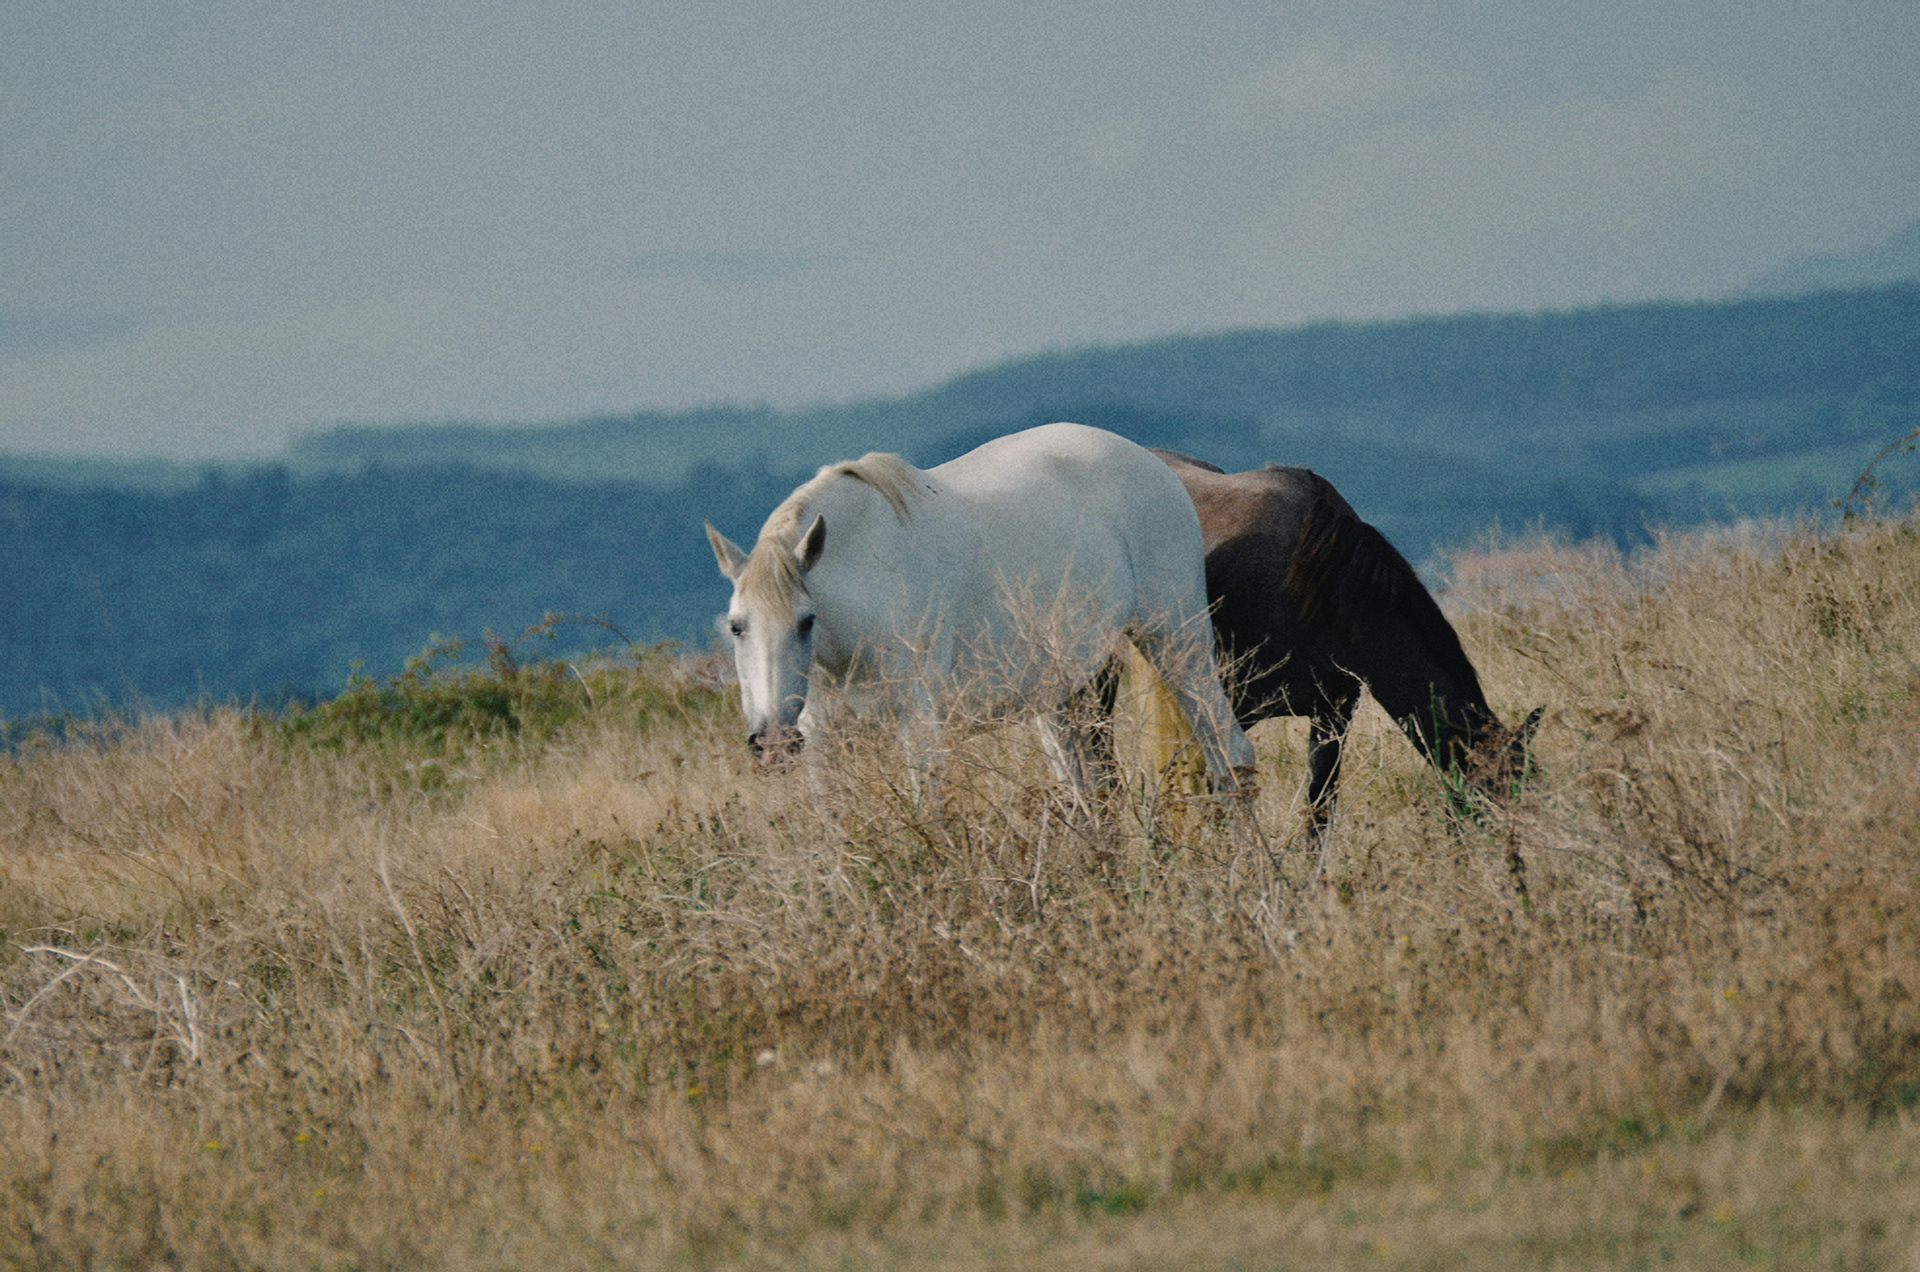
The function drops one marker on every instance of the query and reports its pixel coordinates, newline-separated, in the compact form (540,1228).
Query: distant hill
(261,585)
(159,583)
(1597,420)
(1896,260)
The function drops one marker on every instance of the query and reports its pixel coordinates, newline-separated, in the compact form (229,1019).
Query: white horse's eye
(806,625)
(737,626)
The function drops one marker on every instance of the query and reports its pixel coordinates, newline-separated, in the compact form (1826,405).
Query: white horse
(1008,575)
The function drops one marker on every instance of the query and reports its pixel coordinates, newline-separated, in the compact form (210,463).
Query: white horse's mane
(772,575)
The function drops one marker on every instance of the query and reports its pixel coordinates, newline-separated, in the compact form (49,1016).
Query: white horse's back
(1064,490)
(1067,512)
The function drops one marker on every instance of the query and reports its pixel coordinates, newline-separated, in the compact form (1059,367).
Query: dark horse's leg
(1330,723)
(1089,726)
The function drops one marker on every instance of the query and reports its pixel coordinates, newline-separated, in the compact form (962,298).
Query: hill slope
(263,584)
(1595,419)
(157,583)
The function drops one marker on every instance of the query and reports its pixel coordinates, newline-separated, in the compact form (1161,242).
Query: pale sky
(225,224)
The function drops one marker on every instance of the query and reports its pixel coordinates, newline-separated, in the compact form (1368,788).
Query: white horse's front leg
(920,742)
(808,723)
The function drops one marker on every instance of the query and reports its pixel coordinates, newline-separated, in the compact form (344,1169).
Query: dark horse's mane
(1344,572)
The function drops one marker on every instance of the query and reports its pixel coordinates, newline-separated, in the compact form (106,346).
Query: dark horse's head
(1489,757)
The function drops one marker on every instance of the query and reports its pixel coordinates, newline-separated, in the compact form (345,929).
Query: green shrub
(443,703)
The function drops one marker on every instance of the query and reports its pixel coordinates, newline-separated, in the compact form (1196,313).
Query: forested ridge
(161,585)
(265,585)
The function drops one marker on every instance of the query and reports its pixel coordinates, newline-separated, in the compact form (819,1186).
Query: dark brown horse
(1312,604)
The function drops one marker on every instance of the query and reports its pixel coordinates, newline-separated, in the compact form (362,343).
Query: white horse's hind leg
(1188,668)
(1069,751)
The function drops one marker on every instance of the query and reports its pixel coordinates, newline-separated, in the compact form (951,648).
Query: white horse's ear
(732,560)
(807,551)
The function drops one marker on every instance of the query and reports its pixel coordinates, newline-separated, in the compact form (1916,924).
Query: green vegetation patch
(445,703)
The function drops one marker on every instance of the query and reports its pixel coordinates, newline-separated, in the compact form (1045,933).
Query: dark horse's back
(1311,603)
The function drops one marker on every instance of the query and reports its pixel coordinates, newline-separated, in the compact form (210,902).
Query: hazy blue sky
(221,224)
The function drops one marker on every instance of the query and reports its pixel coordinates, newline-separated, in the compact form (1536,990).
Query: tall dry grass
(613,999)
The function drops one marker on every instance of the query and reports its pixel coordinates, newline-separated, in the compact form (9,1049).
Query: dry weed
(618,999)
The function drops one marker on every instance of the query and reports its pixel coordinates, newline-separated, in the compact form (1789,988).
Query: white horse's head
(771,622)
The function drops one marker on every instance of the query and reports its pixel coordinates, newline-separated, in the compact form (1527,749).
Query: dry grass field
(379,990)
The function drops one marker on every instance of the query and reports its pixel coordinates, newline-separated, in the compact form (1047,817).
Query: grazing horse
(1314,604)
(1008,576)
